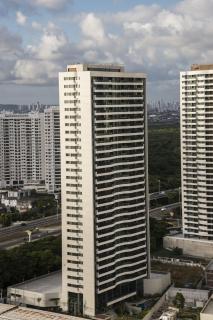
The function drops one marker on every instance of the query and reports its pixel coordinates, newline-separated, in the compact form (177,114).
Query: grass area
(180,275)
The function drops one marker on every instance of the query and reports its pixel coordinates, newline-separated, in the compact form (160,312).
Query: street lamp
(29,232)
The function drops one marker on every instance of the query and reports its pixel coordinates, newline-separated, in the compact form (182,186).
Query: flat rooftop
(181,236)
(11,312)
(108,67)
(44,284)
(197,67)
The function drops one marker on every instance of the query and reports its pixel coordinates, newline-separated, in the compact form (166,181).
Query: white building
(104,186)
(41,292)
(52,149)
(197,151)
(30,149)
(21,149)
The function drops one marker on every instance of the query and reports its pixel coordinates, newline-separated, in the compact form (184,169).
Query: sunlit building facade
(104,186)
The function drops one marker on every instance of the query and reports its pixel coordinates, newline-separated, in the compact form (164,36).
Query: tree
(158,229)
(164,157)
(5,219)
(30,260)
(179,300)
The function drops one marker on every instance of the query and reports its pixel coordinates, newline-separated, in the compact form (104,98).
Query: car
(163,209)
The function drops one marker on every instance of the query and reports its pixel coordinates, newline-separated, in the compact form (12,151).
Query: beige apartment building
(104,186)
(196,87)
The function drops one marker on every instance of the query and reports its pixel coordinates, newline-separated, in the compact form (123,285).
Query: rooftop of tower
(197,67)
(95,67)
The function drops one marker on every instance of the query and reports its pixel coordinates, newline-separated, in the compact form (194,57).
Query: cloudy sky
(38,38)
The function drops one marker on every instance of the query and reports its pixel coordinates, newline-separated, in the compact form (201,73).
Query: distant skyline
(38,38)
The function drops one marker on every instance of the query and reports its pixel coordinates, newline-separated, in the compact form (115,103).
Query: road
(19,240)
(46,221)
(161,194)
(10,235)
(157,212)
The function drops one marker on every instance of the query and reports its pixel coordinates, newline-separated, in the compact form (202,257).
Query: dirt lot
(182,276)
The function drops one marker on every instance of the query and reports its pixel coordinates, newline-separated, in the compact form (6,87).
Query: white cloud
(44,58)
(34,71)
(93,28)
(21,18)
(145,38)
(50,4)
(36,26)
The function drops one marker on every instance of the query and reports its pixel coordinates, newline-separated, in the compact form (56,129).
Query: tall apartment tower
(104,186)
(197,151)
(21,149)
(52,149)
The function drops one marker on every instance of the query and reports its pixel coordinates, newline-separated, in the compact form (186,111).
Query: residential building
(196,96)
(104,185)
(21,149)
(52,149)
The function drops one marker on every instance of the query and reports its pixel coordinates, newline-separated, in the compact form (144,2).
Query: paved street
(9,231)
(16,235)
(157,213)
(21,239)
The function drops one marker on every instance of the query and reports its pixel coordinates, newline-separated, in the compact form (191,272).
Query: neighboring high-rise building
(197,152)
(104,186)
(52,149)
(21,149)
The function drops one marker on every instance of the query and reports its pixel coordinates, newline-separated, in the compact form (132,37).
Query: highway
(158,212)
(161,194)
(46,221)
(10,235)
(21,239)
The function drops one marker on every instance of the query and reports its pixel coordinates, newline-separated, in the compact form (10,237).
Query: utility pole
(159,186)
(56,200)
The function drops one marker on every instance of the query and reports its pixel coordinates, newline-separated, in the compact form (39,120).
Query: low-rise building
(43,292)
(11,312)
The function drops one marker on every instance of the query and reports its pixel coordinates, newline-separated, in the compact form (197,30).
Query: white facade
(40,292)
(196,96)
(52,149)
(104,186)
(21,149)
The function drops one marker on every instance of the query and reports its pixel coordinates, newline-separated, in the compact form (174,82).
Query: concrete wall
(193,247)
(20,296)
(155,308)
(192,297)
(157,284)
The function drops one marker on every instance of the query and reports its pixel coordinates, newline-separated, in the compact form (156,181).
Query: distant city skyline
(38,38)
